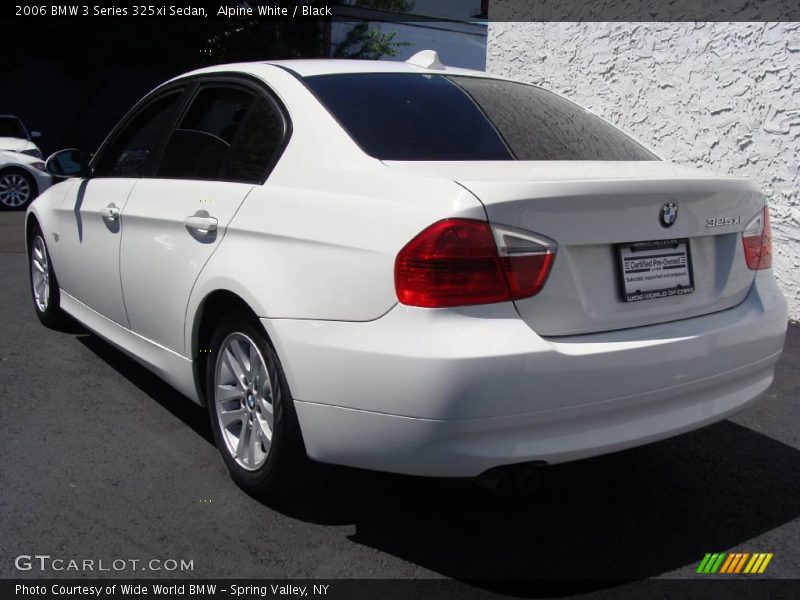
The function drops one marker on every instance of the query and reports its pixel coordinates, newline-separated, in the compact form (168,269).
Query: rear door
(224,144)
(91,225)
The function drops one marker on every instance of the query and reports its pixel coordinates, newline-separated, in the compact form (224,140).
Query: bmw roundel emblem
(668,214)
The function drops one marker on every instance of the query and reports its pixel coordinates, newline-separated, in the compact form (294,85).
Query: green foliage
(362,41)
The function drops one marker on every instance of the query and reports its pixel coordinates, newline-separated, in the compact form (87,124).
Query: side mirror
(68,163)
(36,134)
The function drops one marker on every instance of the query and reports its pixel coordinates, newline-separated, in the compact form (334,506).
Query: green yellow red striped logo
(735,562)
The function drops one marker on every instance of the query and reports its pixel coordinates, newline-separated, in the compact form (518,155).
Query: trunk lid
(589,209)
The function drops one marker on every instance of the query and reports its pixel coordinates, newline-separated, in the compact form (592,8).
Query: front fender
(44,210)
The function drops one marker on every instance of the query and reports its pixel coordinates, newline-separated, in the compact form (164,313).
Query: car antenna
(426,59)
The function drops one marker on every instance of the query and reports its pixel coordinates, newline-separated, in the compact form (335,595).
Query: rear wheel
(252,413)
(17,189)
(44,285)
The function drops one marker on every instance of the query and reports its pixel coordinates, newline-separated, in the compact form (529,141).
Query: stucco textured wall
(722,96)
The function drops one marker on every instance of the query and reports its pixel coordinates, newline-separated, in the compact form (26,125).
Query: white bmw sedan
(15,137)
(22,178)
(409,268)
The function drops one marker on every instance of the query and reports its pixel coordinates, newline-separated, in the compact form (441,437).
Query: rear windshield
(409,116)
(12,127)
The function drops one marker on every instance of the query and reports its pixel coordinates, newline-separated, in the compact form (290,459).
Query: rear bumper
(456,392)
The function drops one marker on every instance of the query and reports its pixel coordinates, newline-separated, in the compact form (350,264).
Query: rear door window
(227,134)
(259,141)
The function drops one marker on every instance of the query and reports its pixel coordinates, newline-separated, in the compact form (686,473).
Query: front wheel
(252,413)
(44,285)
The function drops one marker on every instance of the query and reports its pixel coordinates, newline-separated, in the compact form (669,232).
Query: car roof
(330,66)
(309,67)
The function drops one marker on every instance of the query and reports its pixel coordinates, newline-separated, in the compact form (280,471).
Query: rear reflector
(757,240)
(458,262)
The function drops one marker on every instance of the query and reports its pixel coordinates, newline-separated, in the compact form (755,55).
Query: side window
(259,140)
(227,134)
(133,150)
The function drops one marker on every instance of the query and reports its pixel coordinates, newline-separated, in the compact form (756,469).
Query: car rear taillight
(457,262)
(757,240)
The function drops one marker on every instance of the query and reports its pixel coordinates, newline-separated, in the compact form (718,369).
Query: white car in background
(409,268)
(22,178)
(14,136)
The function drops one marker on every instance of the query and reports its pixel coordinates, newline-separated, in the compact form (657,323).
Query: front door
(91,224)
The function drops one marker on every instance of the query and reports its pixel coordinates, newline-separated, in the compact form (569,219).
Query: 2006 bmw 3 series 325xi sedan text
(409,268)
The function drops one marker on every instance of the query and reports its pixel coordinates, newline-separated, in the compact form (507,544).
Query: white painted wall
(722,96)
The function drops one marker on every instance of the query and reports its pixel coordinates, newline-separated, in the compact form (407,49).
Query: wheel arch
(31,221)
(211,309)
(44,213)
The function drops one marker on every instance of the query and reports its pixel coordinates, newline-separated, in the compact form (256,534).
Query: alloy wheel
(15,190)
(40,274)
(243,399)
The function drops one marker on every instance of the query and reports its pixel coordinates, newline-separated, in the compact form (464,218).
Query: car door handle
(110,212)
(201,223)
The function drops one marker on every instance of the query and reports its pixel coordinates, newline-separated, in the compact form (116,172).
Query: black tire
(51,316)
(287,469)
(33,189)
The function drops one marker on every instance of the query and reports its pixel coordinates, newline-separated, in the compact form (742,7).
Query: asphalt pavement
(100,459)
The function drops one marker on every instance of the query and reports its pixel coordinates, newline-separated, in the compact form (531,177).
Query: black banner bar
(747,587)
